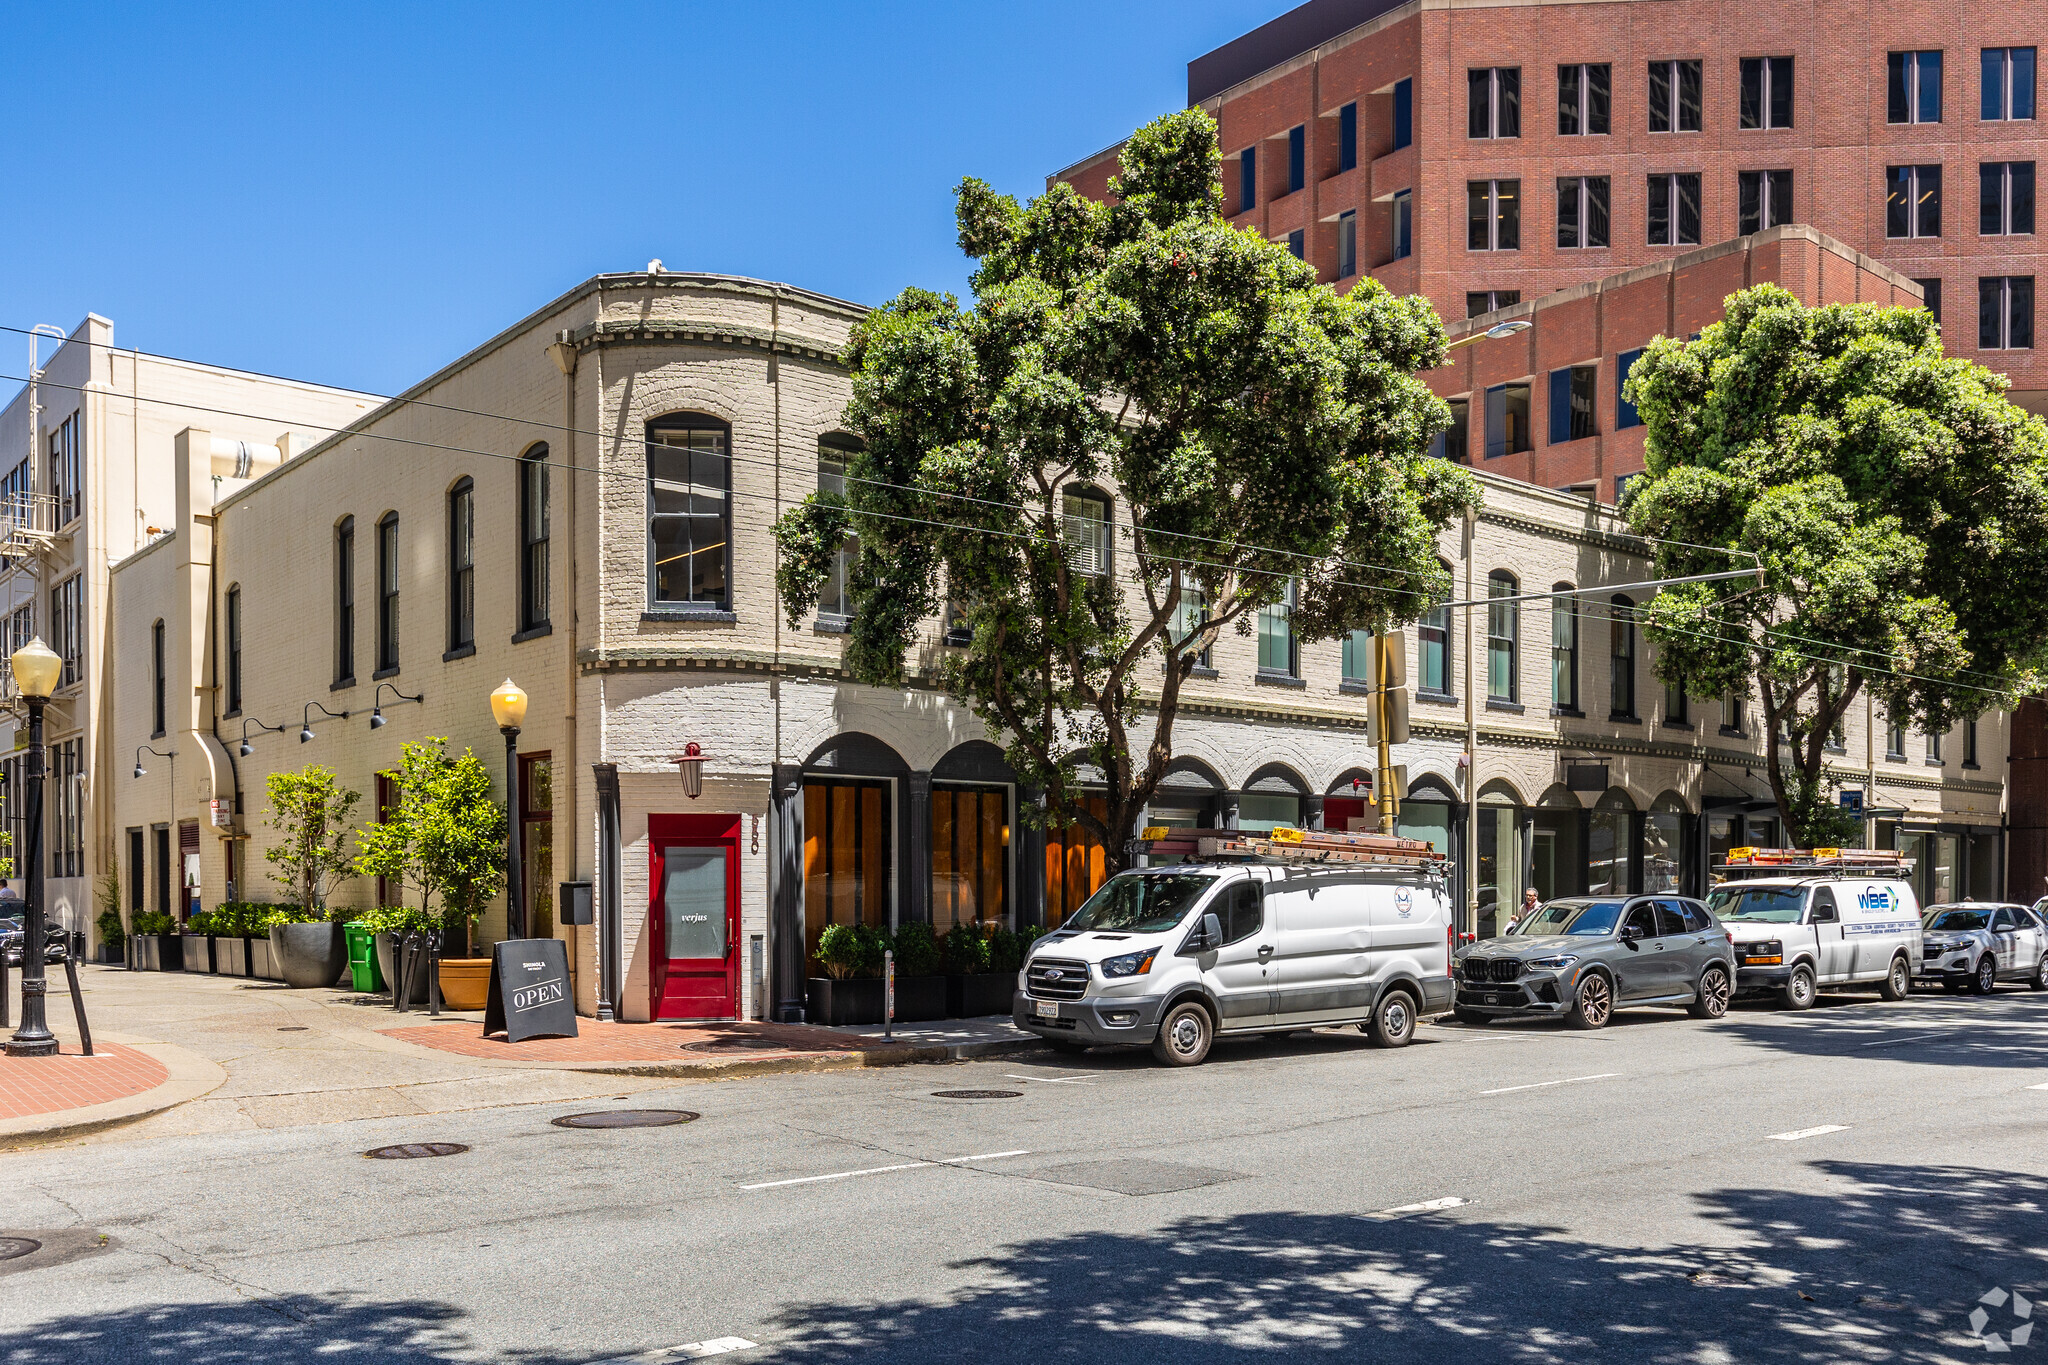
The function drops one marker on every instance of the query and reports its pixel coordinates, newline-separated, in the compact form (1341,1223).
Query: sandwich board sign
(530,995)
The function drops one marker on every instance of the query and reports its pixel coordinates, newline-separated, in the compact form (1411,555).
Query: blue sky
(356,194)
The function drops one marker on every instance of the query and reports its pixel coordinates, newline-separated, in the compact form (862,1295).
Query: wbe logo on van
(1878,898)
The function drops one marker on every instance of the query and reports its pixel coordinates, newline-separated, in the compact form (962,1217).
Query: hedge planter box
(309,955)
(262,961)
(839,1003)
(230,956)
(387,963)
(920,998)
(159,953)
(980,995)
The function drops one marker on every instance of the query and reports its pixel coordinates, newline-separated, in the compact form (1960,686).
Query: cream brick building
(528,512)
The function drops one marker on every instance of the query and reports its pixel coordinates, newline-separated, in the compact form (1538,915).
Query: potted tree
(311,812)
(920,990)
(850,992)
(445,843)
(113,934)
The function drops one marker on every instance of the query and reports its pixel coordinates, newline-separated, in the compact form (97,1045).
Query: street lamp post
(508,706)
(36,671)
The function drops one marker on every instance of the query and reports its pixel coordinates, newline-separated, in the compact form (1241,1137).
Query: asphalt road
(1840,1185)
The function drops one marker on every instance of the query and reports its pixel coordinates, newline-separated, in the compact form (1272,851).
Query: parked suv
(1977,944)
(1583,957)
(1175,956)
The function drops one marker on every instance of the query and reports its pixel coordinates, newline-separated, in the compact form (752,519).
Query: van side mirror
(1823,914)
(1212,933)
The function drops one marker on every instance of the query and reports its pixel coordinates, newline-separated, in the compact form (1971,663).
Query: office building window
(1433,651)
(66,473)
(1297,244)
(461,565)
(1502,626)
(1564,651)
(1402,227)
(2008,83)
(1913,87)
(1086,526)
(1674,209)
(1934,746)
(138,869)
(1277,656)
(67,809)
(1970,743)
(1355,658)
(1571,403)
(1676,709)
(234,632)
(1454,442)
(1675,97)
(156,680)
(533,539)
(1895,741)
(2005,198)
(689,485)
(1347,137)
(1763,200)
(1507,420)
(1582,210)
(1912,201)
(1622,658)
(835,598)
(67,627)
(1297,157)
(1625,414)
(345,600)
(2005,313)
(387,593)
(1735,712)
(1582,100)
(1930,298)
(1766,92)
(1190,616)
(1493,102)
(1247,179)
(1493,215)
(1347,244)
(1404,114)
(1486,300)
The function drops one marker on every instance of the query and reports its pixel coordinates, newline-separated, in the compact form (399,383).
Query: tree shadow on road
(293,1327)
(2006,1029)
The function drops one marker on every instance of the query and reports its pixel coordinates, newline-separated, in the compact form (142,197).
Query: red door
(694,916)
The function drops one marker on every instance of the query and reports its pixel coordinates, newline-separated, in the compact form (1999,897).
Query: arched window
(835,600)
(1564,651)
(1433,650)
(1502,628)
(234,613)
(345,601)
(1087,529)
(462,565)
(387,594)
(689,491)
(533,539)
(156,679)
(1622,623)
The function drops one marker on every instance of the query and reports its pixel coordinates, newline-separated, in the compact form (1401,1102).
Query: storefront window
(1943,884)
(1664,847)
(1074,864)
(847,854)
(1500,868)
(1260,812)
(1429,820)
(537,842)
(1984,867)
(1609,865)
(970,857)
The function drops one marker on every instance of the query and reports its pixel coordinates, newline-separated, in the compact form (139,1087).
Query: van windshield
(1761,904)
(1956,921)
(1571,917)
(1141,902)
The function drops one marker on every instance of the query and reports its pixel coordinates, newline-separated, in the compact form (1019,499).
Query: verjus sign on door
(694,915)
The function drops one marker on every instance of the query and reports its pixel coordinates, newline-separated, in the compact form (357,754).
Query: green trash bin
(364,973)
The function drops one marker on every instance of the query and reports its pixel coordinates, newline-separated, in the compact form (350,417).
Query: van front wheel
(1799,992)
(1898,982)
(1184,1035)
(1393,1020)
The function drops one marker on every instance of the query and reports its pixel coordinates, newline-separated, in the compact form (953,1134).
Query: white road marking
(882,1170)
(1539,1085)
(689,1350)
(1887,1042)
(1048,1080)
(1799,1133)
(1430,1206)
(2043,1086)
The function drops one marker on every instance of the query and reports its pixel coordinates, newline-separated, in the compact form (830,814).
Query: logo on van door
(1403,901)
(1877,898)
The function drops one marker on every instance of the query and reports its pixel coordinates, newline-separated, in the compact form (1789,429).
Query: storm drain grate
(14,1248)
(625,1118)
(413,1151)
(977,1094)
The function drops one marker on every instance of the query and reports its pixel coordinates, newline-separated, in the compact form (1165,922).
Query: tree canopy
(1895,499)
(1253,433)
(445,839)
(311,812)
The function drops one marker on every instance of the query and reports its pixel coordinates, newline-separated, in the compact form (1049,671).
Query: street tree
(444,842)
(1895,500)
(1150,425)
(311,812)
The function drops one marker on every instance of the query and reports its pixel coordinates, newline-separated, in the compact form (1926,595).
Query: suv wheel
(1986,979)
(1595,1003)
(2039,980)
(1712,1001)
(1799,989)
(1184,1035)
(1393,1020)
(1898,982)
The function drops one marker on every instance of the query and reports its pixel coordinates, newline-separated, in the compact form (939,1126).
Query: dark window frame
(1347,244)
(1907,99)
(345,601)
(1583,203)
(1912,202)
(1503,635)
(1766,94)
(1665,220)
(2010,327)
(1763,200)
(1585,98)
(719,607)
(1502,229)
(159,713)
(1493,102)
(2001,96)
(234,642)
(1621,658)
(1347,138)
(387,594)
(536,530)
(1564,652)
(462,564)
(2005,198)
(1675,72)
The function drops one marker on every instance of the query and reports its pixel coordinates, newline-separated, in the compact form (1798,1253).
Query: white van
(1795,935)
(1175,956)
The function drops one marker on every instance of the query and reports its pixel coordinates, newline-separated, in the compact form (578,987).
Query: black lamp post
(508,706)
(36,671)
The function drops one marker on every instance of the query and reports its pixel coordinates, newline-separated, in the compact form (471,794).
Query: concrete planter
(230,956)
(465,982)
(980,994)
(387,963)
(159,953)
(309,955)
(262,961)
(920,998)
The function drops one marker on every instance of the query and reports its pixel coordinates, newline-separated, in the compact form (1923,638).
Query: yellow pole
(1383,676)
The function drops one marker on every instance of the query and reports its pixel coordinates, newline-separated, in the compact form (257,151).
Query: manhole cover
(738,1045)
(13,1248)
(625,1118)
(412,1151)
(977,1094)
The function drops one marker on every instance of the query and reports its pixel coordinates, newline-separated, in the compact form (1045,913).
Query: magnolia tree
(1253,435)
(312,813)
(1896,501)
(444,842)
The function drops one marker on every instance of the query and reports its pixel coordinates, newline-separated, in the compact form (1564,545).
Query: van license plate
(1047,1009)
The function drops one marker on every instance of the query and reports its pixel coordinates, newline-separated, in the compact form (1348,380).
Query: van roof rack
(1292,847)
(1883,862)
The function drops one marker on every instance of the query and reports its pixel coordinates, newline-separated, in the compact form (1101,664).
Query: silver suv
(1585,957)
(1978,945)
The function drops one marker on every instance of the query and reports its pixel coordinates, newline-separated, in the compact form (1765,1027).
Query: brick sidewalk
(49,1085)
(712,1045)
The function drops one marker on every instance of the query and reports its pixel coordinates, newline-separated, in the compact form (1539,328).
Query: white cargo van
(1176,956)
(1818,923)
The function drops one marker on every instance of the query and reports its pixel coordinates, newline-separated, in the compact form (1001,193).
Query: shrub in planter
(965,951)
(1005,952)
(917,952)
(839,951)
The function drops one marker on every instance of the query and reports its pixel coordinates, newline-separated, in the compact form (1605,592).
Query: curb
(739,1068)
(191,1076)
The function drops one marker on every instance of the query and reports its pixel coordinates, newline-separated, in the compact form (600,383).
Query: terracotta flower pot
(465,982)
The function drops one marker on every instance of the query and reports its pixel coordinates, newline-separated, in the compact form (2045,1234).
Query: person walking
(1528,909)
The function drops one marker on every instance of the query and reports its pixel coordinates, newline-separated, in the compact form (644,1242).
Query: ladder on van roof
(1294,847)
(1877,862)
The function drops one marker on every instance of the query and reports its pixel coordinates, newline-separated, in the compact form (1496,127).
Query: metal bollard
(888,992)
